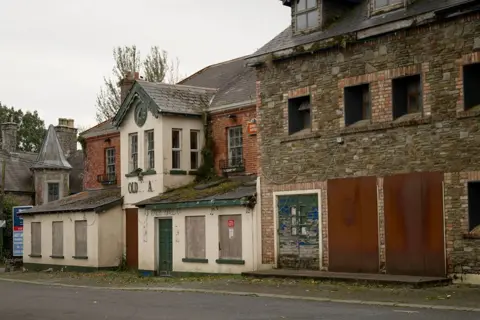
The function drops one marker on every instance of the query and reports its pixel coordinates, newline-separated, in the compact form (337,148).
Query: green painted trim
(198,204)
(80,257)
(57,257)
(195,260)
(178,172)
(131,174)
(57,267)
(35,255)
(229,261)
(149,172)
(192,172)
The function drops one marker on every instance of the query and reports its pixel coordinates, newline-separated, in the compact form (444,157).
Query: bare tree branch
(155,65)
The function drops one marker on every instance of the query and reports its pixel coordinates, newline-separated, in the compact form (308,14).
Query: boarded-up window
(57,239)
(36,234)
(230,230)
(195,237)
(81,239)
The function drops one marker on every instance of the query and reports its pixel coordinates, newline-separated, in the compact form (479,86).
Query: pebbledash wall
(220,123)
(444,138)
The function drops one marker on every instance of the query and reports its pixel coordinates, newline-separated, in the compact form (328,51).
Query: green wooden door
(165,247)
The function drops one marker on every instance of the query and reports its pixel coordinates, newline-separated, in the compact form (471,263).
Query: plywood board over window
(36,234)
(81,239)
(57,239)
(195,237)
(230,245)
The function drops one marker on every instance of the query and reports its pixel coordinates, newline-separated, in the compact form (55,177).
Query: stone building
(368,137)
(20,167)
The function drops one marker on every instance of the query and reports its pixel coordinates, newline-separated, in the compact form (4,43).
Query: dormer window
(306,14)
(382,4)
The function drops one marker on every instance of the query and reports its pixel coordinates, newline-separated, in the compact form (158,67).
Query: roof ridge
(178,86)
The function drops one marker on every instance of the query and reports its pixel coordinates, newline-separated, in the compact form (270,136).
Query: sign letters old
(132,187)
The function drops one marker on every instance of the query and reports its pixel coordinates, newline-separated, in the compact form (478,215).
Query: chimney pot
(71,123)
(9,136)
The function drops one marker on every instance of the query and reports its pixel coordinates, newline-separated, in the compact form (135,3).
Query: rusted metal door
(353,225)
(131,234)
(298,232)
(414,236)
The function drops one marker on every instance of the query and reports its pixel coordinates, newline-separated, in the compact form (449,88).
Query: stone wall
(44,176)
(95,161)
(443,137)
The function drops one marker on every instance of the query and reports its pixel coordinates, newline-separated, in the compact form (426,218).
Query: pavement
(28,302)
(452,297)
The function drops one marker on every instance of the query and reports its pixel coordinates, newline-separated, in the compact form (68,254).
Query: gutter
(198,204)
(246,103)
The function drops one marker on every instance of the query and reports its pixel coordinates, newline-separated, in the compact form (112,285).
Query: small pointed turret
(51,156)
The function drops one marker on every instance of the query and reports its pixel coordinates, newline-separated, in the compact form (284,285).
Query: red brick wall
(220,124)
(95,159)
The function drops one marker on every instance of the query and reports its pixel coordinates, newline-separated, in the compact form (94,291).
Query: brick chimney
(67,135)
(127,83)
(9,136)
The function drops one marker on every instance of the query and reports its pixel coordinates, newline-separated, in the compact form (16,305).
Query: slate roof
(220,190)
(172,98)
(18,177)
(216,75)
(355,20)
(241,88)
(90,200)
(100,129)
(51,154)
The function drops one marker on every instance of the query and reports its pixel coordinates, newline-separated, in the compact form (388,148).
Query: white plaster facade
(148,231)
(104,234)
(163,179)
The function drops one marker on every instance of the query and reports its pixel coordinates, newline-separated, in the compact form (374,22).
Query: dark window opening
(53,191)
(357,104)
(407,96)
(471,85)
(299,114)
(473,205)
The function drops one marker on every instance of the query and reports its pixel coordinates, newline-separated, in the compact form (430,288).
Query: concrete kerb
(251,294)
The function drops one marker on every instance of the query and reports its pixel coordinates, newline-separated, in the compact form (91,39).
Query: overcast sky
(54,53)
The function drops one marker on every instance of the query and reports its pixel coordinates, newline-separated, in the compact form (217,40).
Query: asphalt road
(25,302)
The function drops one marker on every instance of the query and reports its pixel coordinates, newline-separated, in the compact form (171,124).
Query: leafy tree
(8,204)
(155,67)
(31,129)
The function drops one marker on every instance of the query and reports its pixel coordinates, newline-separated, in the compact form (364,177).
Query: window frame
(49,184)
(195,165)
(471,185)
(177,150)
(150,150)
(305,12)
(194,235)
(133,151)
(110,167)
(401,3)
(230,148)
(469,87)
(33,243)
(77,253)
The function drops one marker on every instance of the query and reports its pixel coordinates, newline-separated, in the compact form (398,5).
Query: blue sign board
(18,230)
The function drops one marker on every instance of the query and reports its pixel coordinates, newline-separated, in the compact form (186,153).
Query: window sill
(149,172)
(470,113)
(398,123)
(192,172)
(80,257)
(131,175)
(471,236)
(195,260)
(57,257)
(35,255)
(178,172)
(301,135)
(230,261)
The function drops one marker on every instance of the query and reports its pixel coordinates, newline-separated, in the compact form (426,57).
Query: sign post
(17,223)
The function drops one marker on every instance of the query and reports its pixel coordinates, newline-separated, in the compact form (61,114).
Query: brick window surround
(467,59)
(381,91)
(297,93)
